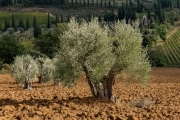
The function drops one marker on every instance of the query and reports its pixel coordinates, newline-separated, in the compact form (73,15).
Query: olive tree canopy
(101,52)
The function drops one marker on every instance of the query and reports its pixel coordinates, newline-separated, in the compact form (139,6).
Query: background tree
(37,31)
(13,21)
(48,23)
(90,48)
(34,22)
(21,24)
(27,23)
(5,23)
(48,43)
(24,69)
(57,19)
(10,48)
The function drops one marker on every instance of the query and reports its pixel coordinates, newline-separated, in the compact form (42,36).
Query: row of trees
(100,52)
(27,24)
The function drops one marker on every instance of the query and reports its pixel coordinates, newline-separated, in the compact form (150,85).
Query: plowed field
(48,102)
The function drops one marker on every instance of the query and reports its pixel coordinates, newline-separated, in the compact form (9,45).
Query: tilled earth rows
(46,101)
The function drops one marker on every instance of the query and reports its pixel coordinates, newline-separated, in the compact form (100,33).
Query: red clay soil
(46,101)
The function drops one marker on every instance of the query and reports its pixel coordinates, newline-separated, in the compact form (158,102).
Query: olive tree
(24,69)
(46,67)
(100,52)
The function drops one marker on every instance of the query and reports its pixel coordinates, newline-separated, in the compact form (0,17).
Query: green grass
(41,18)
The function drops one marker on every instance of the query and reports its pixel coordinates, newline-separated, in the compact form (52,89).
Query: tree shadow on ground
(47,102)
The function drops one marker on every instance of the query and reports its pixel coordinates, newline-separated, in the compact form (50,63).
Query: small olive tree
(24,69)
(46,67)
(101,52)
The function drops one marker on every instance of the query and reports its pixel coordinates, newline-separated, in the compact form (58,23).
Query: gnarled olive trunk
(40,78)
(56,83)
(28,82)
(103,89)
(28,85)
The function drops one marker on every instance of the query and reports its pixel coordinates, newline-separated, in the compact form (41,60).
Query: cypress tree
(123,11)
(88,3)
(8,25)
(84,3)
(13,21)
(52,21)
(101,4)
(5,24)
(80,3)
(92,2)
(170,3)
(37,31)
(27,23)
(105,4)
(57,20)
(68,19)
(21,24)
(134,16)
(61,18)
(178,4)
(89,16)
(109,4)
(119,13)
(149,14)
(97,3)
(34,22)
(49,24)
(114,4)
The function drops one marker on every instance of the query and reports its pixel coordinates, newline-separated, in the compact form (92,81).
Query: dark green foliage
(178,4)
(68,19)
(48,43)
(134,16)
(62,18)
(156,57)
(9,48)
(162,31)
(5,24)
(13,21)
(110,17)
(8,25)
(21,24)
(121,14)
(48,22)
(28,3)
(34,22)
(37,31)
(6,2)
(56,20)
(27,23)
(89,16)
(153,26)
(149,38)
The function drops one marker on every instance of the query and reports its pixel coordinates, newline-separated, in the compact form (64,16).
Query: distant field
(41,18)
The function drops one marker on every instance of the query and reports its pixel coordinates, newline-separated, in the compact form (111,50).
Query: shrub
(110,17)
(156,57)
(162,31)
(153,26)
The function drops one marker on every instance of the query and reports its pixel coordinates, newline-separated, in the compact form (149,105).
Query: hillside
(171,50)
